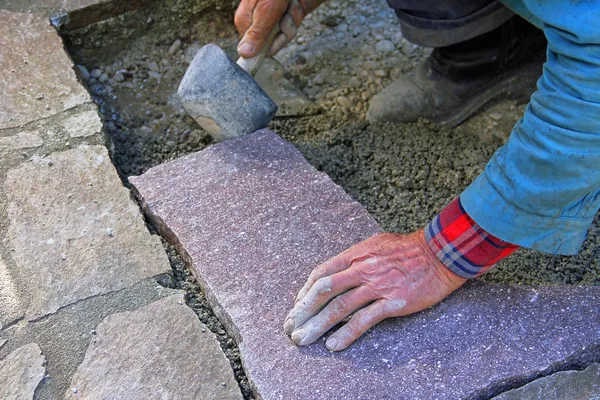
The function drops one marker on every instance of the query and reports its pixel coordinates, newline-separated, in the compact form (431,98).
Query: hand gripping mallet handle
(251,65)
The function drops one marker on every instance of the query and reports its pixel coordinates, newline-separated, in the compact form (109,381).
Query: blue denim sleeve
(542,188)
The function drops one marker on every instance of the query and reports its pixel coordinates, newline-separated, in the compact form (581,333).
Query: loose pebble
(85,74)
(344,102)
(96,73)
(118,77)
(385,46)
(175,47)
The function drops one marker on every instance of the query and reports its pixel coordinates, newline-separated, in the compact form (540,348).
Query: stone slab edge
(191,350)
(21,372)
(164,231)
(561,385)
(95,12)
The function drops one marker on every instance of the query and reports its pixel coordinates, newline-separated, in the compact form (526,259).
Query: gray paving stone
(21,140)
(80,12)
(571,385)
(74,231)
(38,76)
(86,123)
(156,352)
(11,308)
(21,372)
(253,219)
(65,335)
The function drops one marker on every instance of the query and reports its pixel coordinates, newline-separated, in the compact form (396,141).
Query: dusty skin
(388,275)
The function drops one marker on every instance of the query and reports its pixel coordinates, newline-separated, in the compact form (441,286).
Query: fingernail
(245,48)
(331,344)
(288,327)
(298,335)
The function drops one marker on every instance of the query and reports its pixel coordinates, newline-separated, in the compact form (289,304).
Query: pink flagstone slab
(253,218)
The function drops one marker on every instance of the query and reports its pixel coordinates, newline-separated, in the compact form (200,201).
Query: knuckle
(256,34)
(239,20)
(289,31)
(322,286)
(339,306)
(395,305)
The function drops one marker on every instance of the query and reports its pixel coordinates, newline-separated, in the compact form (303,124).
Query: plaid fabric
(462,245)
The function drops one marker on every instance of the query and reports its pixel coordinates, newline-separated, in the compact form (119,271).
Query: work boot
(455,81)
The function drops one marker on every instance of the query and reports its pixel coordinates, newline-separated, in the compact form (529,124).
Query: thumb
(266,15)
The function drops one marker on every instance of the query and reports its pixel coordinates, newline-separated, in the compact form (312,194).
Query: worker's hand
(388,275)
(255,19)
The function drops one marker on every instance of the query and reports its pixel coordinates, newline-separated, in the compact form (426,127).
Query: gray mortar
(403,174)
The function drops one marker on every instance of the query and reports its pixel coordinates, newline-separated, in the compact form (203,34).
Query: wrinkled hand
(255,19)
(388,275)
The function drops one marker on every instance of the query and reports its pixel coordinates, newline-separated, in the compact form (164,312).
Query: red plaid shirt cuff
(462,245)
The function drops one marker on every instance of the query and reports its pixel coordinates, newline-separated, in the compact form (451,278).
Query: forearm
(542,189)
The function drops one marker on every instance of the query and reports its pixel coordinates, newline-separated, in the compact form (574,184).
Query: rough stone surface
(572,385)
(74,231)
(65,336)
(86,123)
(72,14)
(22,140)
(157,351)
(10,304)
(222,97)
(2,342)
(38,76)
(21,372)
(253,219)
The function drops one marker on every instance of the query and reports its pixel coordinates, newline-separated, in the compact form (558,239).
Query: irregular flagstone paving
(10,302)
(22,140)
(160,351)
(38,79)
(21,372)
(253,219)
(73,14)
(571,385)
(75,247)
(74,229)
(83,124)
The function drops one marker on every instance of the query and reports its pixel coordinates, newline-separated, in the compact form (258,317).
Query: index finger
(336,264)
(265,16)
